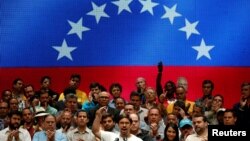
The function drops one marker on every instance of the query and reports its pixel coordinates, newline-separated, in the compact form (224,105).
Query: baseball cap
(184,122)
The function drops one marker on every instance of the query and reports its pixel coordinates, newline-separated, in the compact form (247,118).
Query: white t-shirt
(110,136)
(195,137)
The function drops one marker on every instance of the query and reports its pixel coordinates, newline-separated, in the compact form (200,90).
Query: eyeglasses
(104,97)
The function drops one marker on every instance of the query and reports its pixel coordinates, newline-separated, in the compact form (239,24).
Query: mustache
(14,125)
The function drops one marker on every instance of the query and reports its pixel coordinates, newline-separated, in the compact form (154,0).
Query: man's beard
(110,129)
(198,130)
(14,126)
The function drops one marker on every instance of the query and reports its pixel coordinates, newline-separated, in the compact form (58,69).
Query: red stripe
(227,79)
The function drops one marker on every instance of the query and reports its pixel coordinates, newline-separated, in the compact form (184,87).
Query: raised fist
(160,66)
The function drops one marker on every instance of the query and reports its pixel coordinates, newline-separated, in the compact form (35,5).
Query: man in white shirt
(108,123)
(201,128)
(124,123)
(13,132)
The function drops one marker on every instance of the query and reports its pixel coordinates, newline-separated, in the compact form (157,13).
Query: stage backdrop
(119,40)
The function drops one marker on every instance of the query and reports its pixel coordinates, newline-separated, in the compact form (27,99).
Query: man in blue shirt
(49,133)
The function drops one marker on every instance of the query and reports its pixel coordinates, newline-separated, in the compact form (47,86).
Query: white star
(170,13)
(203,50)
(64,50)
(98,12)
(190,28)
(123,5)
(77,28)
(148,5)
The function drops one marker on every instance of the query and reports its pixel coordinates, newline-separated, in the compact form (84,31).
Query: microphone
(116,139)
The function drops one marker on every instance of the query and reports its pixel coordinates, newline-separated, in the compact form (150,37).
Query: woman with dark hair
(171,132)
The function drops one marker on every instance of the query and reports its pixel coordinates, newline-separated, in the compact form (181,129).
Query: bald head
(141,83)
(182,81)
(140,79)
(104,93)
(103,98)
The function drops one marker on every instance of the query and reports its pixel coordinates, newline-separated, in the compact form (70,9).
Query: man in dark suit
(103,101)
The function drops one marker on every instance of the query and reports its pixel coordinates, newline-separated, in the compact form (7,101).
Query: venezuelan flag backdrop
(119,40)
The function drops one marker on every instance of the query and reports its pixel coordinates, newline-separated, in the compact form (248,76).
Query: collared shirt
(196,137)
(142,112)
(75,135)
(160,130)
(110,136)
(51,110)
(23,134)
(41,136)
(112,103)
(2,123)
(31,130)
(66,133)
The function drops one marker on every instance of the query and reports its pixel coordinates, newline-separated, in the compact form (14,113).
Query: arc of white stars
(203,50)
(123,5)
(190,28)
(77,28)
(64,50)
(148,5)
(98,12)
(170,13)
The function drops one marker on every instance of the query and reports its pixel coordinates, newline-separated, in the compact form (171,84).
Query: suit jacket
(112,111)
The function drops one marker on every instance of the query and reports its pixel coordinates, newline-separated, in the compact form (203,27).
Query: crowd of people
(151,114)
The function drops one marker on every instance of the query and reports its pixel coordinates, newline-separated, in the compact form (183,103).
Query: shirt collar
(140,110)
(8,130)
(87,130)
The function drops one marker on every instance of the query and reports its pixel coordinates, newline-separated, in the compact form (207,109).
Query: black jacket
(144,135)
